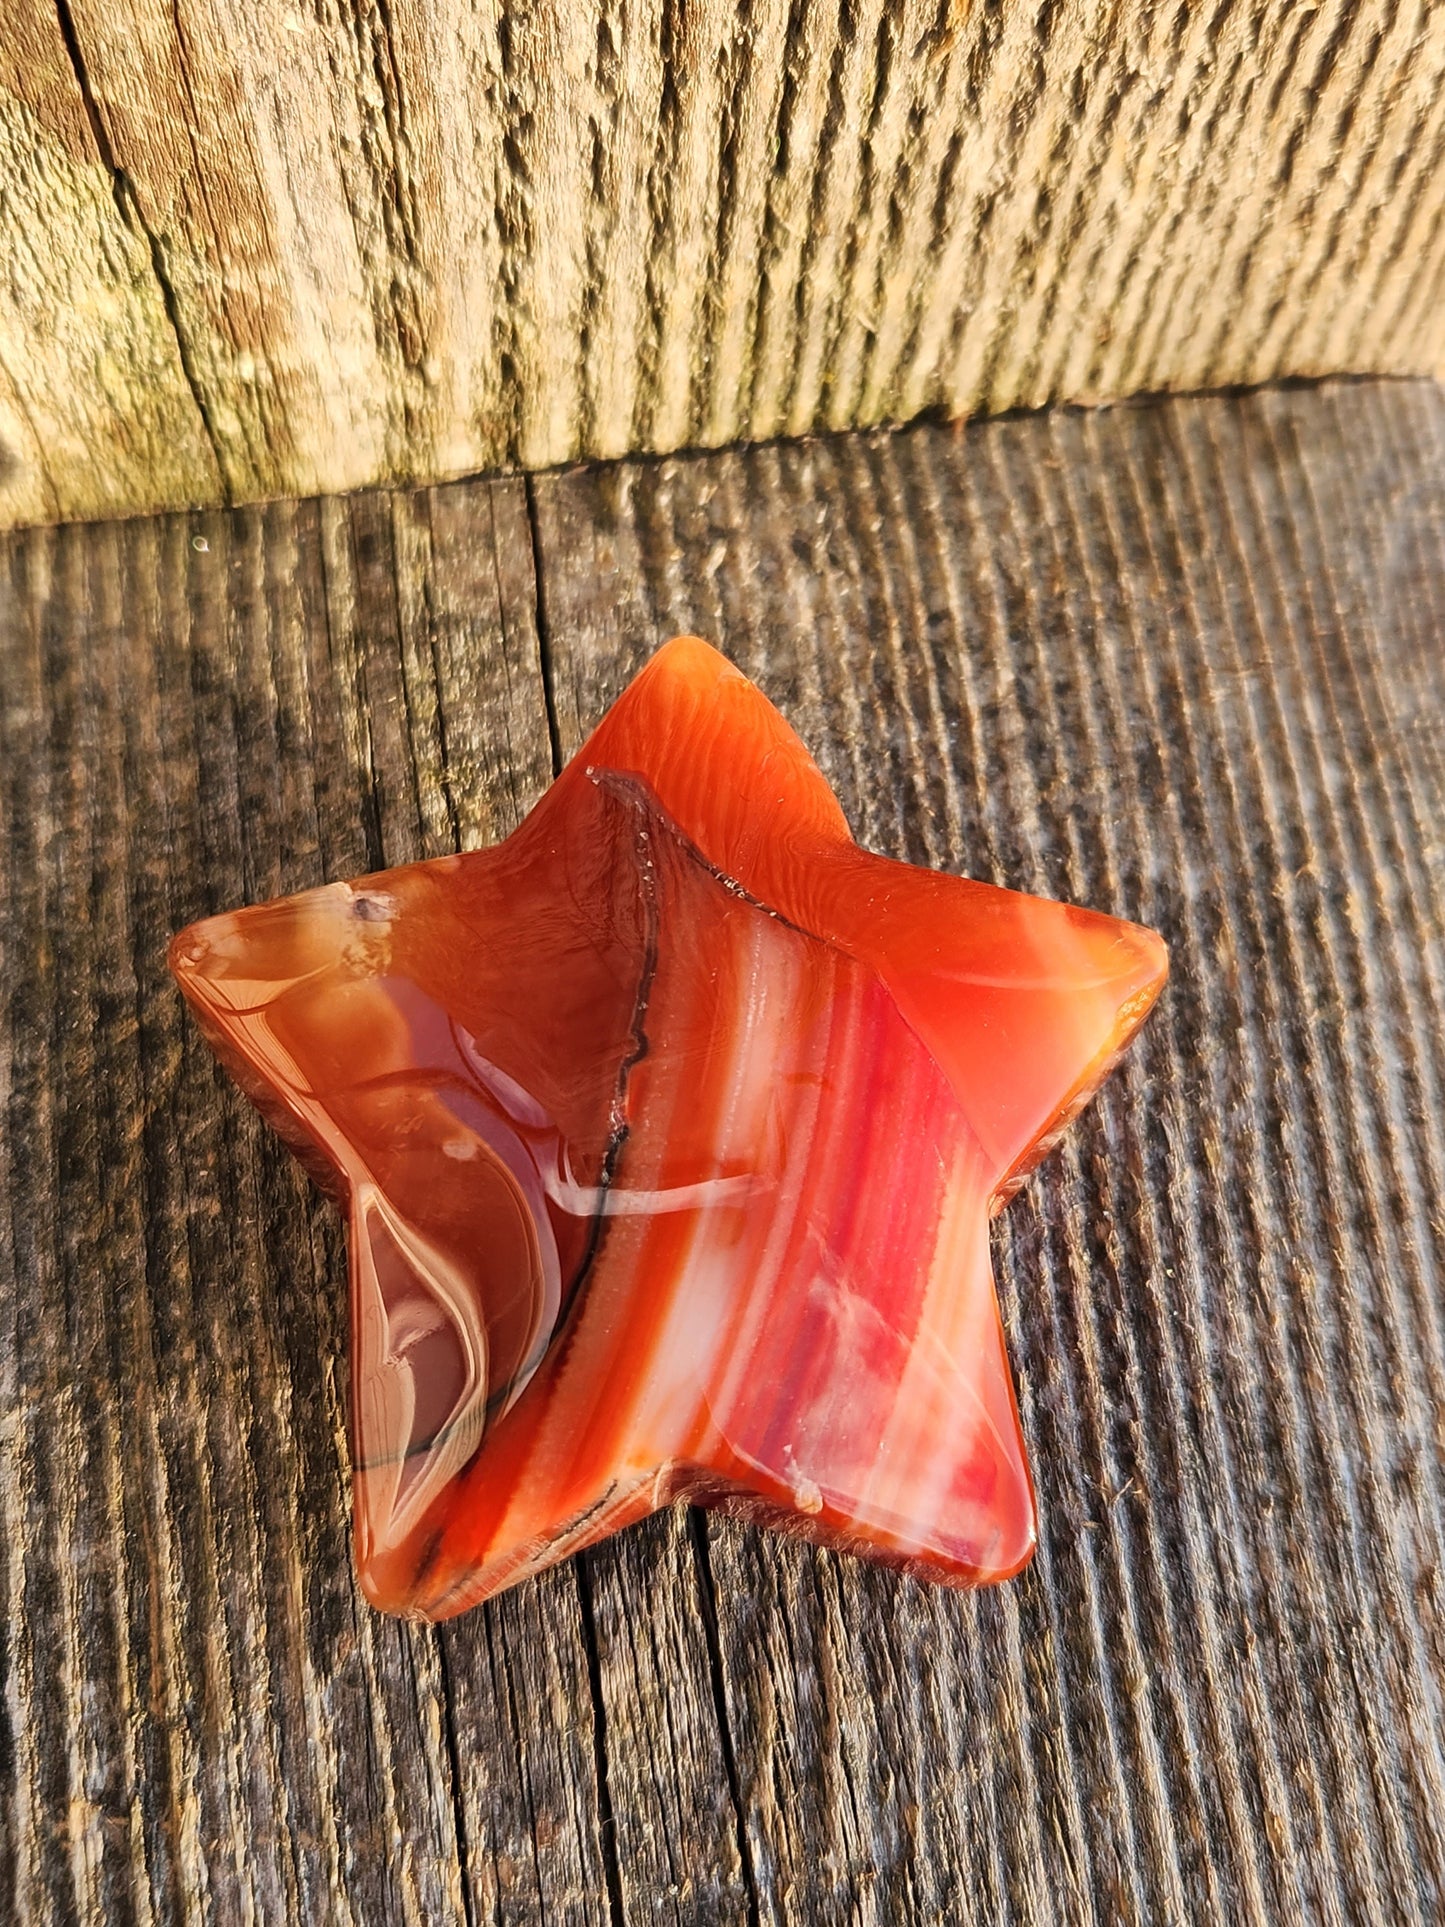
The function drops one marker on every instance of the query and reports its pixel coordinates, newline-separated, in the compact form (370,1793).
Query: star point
(668,1132)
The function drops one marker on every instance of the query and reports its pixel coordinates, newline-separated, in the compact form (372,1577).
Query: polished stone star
(669,1131)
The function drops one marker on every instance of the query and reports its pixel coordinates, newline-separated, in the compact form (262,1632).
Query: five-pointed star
(669,1131)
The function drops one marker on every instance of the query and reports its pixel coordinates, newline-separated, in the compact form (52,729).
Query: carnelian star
(669,1131)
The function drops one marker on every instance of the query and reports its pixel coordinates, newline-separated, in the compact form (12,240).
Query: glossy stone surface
(669,1131)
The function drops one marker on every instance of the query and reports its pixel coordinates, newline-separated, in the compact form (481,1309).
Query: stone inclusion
(669,1131)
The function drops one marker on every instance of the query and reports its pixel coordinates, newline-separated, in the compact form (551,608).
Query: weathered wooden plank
(277,249)
(1180,661)
(430,620)
(96,409)
(212,1725)
(1176,662)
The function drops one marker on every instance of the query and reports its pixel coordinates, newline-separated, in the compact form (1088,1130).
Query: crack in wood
(131,212)
(606,1821)
(707,1606)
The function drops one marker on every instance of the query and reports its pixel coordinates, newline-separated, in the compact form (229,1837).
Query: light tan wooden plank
(283,248)
(96,410)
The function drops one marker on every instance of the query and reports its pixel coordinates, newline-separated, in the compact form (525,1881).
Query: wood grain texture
(96,409)
(311,245)
(1179,661)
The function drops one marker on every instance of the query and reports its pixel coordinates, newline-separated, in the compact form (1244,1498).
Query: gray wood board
(1180,661)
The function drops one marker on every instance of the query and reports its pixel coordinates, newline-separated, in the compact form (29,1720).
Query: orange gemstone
(669,1131)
